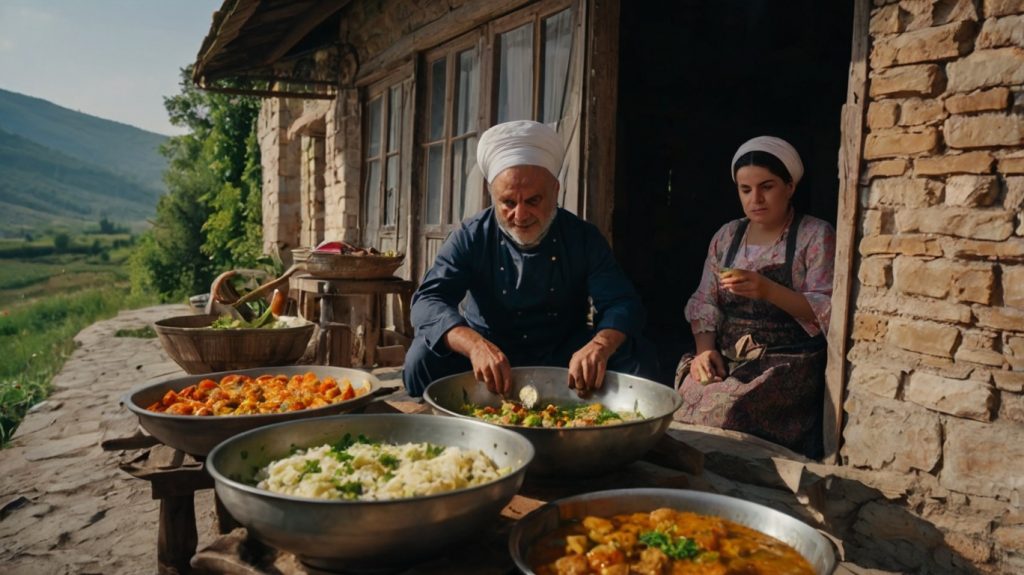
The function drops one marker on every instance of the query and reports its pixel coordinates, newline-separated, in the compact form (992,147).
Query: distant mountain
(39,186)
(59,165)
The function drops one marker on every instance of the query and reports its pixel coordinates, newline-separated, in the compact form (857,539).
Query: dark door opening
(696,79)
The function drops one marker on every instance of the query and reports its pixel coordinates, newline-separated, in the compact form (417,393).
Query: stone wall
(936,386)
(280,158)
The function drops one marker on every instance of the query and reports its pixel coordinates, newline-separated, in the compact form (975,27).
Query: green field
(44,301)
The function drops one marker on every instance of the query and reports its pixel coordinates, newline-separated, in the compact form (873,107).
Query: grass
(44,302)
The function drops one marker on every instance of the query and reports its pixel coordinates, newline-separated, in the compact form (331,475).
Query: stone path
(66,507)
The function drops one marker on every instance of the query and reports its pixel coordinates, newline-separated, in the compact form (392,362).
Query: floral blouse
(813,264)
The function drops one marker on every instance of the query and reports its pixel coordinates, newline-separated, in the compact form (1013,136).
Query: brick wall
(937,357)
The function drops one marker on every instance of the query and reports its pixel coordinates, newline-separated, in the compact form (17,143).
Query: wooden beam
(224,28)
(850,154)
(453,24)
(601,100)
(313,18)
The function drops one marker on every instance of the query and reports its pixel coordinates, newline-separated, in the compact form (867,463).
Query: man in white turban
(513,285)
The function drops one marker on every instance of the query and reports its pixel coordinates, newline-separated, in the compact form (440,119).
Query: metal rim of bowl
(138,410)
(677,402)
(516,535)
(253,490)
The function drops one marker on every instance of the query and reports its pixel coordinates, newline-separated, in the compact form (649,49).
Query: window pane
(394,118)
(467,92)
(391,192)
(372,194)
(467,181)
(373,128)
(555,77)
(437,91)
(435,165)
(515,75)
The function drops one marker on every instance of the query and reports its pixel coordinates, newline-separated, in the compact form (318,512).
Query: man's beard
(516,238)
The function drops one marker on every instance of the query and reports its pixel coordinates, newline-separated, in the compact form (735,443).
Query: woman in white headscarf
(761,311)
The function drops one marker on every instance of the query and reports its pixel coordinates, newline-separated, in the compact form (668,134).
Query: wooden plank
(601,103)
(463,19)
(850,153)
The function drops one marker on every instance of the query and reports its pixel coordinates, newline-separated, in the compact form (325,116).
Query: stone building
(371,119)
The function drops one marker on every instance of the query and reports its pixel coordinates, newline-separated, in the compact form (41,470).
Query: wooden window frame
(535,14)
(448,51)
(383,89)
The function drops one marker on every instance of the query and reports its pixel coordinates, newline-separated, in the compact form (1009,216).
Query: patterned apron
(777,397)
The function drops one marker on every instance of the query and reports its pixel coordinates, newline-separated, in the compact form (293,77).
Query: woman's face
(765,197)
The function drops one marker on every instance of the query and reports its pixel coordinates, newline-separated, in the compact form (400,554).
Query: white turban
(519,143)
(777,147)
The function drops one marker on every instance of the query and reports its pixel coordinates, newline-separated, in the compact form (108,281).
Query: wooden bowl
(197,348)
(363,267)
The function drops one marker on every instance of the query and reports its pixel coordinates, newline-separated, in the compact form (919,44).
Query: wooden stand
(174,478)
(319,300)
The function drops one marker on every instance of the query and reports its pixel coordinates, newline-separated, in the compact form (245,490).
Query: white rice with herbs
(366,471)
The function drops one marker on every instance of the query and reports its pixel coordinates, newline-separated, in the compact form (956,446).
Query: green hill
(39,186)
(61,166)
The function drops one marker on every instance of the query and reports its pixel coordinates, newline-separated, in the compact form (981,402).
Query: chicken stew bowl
(531,540)
(198,434)
(366,535)
(573,451)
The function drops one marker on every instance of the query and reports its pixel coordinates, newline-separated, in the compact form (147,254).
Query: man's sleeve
(435,305)
(616,303)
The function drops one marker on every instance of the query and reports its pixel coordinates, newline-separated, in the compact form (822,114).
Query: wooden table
(175,477)
(320,300)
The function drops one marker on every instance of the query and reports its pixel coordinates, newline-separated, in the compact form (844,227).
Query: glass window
(382,161)
(453,188)
(515,74)
(557,46)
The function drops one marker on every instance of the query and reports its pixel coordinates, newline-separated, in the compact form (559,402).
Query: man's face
(525,201)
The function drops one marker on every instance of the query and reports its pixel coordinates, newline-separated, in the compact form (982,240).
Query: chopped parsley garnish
(389,461)
(350,490)
(434,450)
(310,466)
(674,547)
(349,441)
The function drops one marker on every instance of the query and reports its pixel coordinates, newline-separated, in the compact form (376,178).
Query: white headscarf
(519,143)
(777,147)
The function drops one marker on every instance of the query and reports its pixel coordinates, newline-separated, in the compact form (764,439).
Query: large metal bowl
(802,537)
(578,451)
(365,535)
(197,435)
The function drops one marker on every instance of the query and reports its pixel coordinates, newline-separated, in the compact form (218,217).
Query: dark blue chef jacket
(533,304)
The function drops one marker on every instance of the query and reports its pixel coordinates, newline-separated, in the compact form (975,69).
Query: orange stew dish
(664,542)
(243,395)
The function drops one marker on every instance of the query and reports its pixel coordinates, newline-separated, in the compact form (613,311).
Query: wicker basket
(335,266)
(197,348)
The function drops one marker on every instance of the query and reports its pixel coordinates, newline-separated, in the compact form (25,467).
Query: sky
(115,59)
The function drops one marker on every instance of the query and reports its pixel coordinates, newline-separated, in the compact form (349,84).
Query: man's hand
(489,363)
(588,365)
(491,367)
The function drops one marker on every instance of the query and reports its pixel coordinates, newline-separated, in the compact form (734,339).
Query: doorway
(696,79)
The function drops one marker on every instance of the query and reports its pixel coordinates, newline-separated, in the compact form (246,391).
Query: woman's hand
(707,366)
(747,284)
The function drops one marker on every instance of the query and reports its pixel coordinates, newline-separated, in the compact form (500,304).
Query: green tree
(210,220)
(61,241)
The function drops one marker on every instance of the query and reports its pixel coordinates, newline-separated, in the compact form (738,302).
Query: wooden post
(850,153)
(176,543)
(601,94)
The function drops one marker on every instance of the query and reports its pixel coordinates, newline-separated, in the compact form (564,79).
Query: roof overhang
(275,48)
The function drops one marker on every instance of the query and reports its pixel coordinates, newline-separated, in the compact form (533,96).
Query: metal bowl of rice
(357,534)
